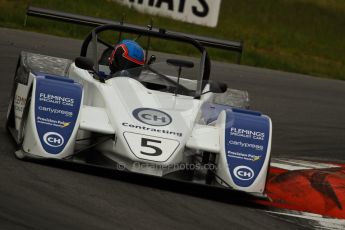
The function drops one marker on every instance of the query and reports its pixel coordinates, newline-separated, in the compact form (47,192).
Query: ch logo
(243,173)
(53,139)
(152,117)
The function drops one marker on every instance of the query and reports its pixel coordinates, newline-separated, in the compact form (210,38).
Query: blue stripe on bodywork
(246,142)
(57,104)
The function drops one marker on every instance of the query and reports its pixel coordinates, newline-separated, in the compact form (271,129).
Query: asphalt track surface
(308,122)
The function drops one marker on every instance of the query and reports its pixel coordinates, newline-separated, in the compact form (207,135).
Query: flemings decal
(57,104)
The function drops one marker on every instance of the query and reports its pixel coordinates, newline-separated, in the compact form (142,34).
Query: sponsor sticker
(244,173)
(56,99)
(246,145)
(57,104)
(243,156)
(152,117)
(19,103)
(52,122)
(19,100)
(246,133)
(55,111)
(156,130)
(53,139)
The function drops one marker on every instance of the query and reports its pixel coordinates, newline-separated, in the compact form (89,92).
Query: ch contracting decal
(152,117)
(243,173)
(53,139)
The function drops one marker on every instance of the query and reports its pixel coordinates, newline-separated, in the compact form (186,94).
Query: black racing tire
(210,159)
(10,117)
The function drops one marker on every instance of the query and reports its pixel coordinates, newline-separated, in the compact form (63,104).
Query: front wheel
(209,159)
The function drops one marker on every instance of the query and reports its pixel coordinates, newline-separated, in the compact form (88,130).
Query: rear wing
(234,46)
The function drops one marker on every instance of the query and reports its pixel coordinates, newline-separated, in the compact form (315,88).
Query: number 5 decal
(150,148)
(148,143)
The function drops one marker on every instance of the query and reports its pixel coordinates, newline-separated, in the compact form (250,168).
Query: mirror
(217,87)
(152,60)
(84,63)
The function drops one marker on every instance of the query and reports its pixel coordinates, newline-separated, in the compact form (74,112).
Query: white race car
(162,119)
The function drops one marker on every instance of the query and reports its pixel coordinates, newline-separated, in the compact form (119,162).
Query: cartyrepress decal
(246,143)
(57,104)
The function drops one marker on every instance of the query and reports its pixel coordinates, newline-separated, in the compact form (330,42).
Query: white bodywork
(117,98)
(152,131)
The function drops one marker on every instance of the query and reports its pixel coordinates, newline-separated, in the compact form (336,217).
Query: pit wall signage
(201,12)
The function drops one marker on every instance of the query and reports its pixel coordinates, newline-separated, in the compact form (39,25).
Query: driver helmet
(126,55)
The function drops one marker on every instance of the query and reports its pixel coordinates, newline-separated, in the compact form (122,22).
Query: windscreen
(161,77)
(178,76)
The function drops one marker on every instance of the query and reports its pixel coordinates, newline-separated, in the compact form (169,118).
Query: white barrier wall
(201,12)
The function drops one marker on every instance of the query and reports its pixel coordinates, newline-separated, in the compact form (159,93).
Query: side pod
(245,146)
(53,118)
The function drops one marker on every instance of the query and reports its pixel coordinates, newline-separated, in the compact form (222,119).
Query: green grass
(305,36)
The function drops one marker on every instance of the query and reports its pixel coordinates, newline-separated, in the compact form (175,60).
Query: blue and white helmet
(126,55)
